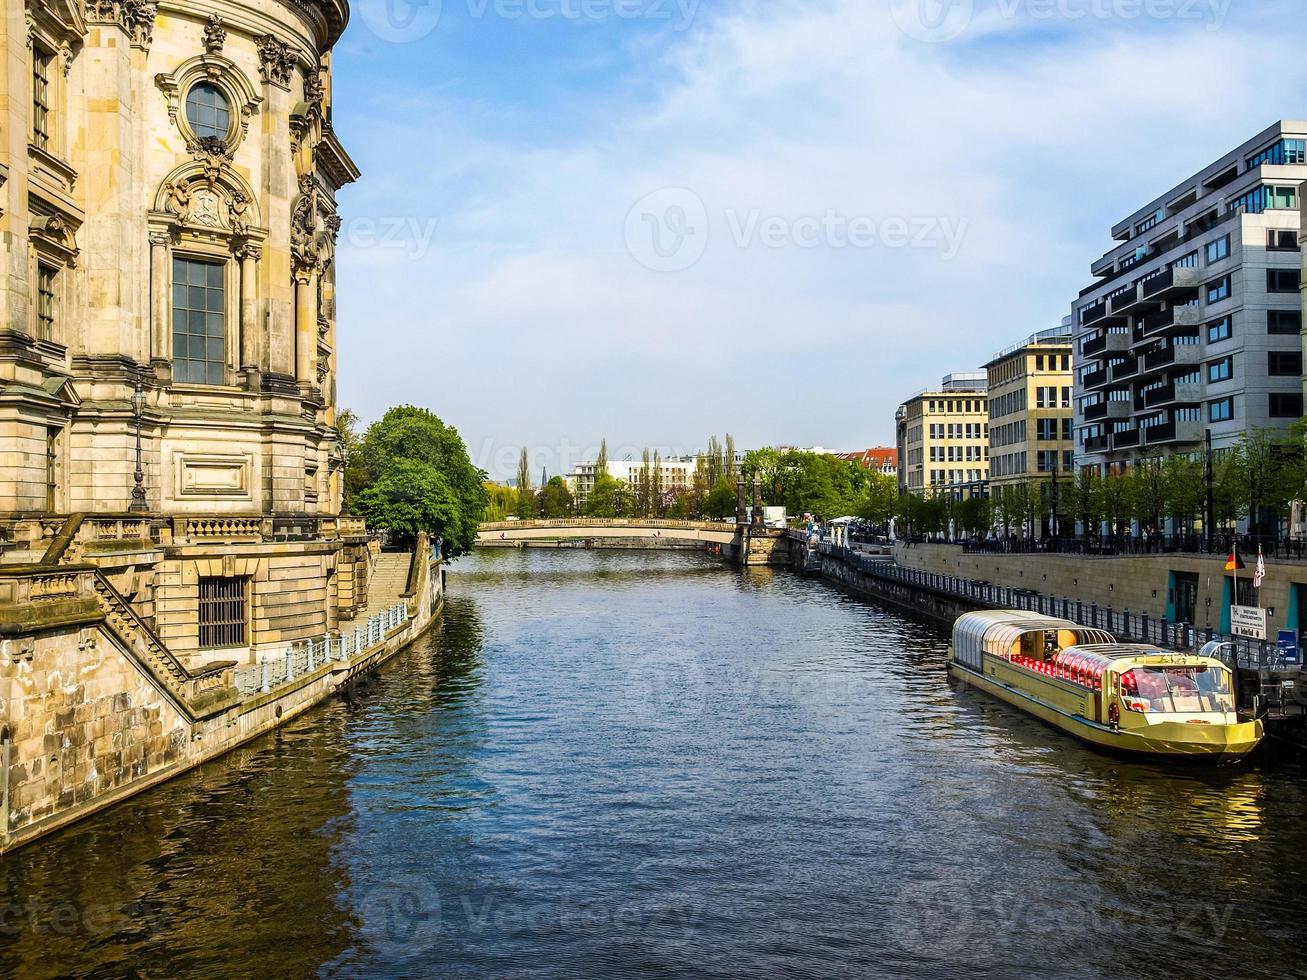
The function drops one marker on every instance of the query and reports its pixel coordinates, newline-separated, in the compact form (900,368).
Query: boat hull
(1166,740)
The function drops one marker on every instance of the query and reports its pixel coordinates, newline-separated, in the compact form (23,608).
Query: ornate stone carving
(208,208)
(215,35)
(178,202)
(135,17)
(210,152)
(314,90)
(238,209)
(276,61)
(304,245)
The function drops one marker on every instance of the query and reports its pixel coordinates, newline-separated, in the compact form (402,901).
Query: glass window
(1218,249)
(207,111)
(199,325)
(45,293)
(1284,321)
(1190,690)
(1220,370)
(1283,197)
(41,62)
(1285,406)
(1220,411)
(1218,290)
(1283,152)
(1279,362)
(1282,280)
(1219,330)
(1280,240)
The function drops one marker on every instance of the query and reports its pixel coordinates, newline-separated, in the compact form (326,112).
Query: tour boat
(1132,698)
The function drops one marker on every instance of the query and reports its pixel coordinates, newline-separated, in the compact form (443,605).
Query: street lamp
(138,491)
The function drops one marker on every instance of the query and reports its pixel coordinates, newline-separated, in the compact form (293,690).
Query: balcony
(1124,302)
(1173,431)
(1090,314)
(1094,413)
(1096,444)
(1126,439)
(1182,355)
(1092,348)
(1126,369)
(1173,284)
(1168,319)
(1095,379)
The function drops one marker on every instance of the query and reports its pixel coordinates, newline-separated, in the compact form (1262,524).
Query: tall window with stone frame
(46,280)
(199,321)
(222,611)
(42,60)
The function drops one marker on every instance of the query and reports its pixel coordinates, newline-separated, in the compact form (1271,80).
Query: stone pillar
(160,305)
(741,502)
(251,356)
(306,326)
(757,500)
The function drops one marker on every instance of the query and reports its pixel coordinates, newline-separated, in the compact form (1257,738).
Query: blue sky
(655,221)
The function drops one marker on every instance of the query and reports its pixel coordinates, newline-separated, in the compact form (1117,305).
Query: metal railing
(1125,625)
(307,656)
(1286,549)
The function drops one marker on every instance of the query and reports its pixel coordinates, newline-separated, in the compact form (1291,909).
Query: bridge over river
(653,531)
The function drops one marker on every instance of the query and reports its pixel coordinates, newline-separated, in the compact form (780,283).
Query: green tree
(501,501)
(973,516)
(420,478)
(1115,503)
(720,502)
(555,500)
(526,508)
(880,500)
(1084,500)
(351,445)
(1186,491)
(609,497)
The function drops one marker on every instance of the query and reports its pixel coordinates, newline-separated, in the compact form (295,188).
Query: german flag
(1234,563)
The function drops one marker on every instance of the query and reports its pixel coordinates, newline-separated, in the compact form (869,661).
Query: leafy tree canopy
(420,478)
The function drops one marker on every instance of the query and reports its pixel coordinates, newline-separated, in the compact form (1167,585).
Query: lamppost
(138,491)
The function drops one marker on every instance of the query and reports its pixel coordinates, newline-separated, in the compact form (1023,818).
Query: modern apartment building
(1194,322)
(943,439)
(1030,413)
(677,473)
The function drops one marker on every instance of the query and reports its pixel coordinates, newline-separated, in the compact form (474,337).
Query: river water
(613,764)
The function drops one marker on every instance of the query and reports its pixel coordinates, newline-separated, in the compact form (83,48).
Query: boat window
(1177,689)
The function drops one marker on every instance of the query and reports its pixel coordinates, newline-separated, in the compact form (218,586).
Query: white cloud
(527,320)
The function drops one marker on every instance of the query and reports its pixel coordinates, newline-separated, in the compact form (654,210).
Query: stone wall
(87,720)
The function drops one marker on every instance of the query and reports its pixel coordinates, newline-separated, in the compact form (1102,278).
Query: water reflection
(607,764)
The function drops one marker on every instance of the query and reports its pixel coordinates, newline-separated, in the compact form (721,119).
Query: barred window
(41,61)
(45,292)
(222,612)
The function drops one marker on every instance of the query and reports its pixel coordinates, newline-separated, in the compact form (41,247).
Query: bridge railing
(596,522)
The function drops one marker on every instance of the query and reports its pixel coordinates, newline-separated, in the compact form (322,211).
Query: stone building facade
(168,181)
(176,576)
(942,438)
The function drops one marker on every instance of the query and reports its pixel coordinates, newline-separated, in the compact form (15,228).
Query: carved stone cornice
(135,17)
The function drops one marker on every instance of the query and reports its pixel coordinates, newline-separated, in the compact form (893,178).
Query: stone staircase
(389,580)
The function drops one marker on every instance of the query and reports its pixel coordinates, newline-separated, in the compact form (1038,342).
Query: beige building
(175,574)
(1030,411)
(168,176)
(943,439)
